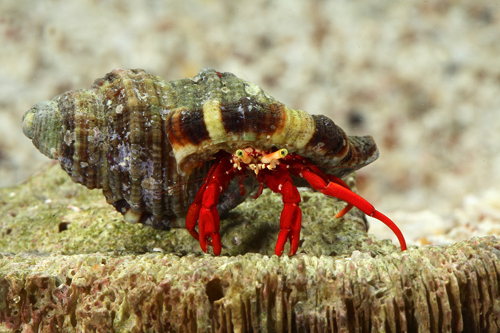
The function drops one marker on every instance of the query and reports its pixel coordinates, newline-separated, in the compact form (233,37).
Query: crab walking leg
(291,215)
(336,180)
(335,190)
(209,221)
(349,206)
(195,207)
(300,163)
(343,211)
(204,207)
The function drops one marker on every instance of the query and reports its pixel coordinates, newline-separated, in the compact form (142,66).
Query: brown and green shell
(148,143)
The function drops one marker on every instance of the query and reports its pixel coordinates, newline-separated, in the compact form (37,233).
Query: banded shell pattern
(148,143)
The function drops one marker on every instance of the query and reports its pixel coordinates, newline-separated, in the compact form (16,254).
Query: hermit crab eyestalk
(243,156)
(42,124)
(274,156)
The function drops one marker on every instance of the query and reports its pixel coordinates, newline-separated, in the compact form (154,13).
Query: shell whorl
(145,141)
(228,113)
(112,137)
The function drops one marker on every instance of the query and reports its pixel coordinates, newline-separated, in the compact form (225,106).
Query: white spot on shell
(119,109)
(225,90)
(97,133)
(131,216)
(54,152)
(252,89)
(196,79)
(149,183)
(69,137)
(318,146)
(236,240)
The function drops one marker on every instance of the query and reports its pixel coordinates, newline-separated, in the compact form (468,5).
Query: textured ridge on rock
(428,289)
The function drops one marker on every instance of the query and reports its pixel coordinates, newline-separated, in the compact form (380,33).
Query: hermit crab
(169,154)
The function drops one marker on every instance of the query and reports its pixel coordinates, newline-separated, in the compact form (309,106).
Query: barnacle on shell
(148,143)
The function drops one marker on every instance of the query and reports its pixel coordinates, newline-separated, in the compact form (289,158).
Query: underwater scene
(264,166)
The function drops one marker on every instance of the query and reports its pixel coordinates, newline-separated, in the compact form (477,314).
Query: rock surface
(70,264)
(429,289)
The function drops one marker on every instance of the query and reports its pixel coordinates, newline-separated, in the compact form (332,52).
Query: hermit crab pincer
(185,151)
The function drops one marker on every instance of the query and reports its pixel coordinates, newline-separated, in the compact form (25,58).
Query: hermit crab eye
(283,152)
(243,156)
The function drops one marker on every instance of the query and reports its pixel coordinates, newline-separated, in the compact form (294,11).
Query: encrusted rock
(80,268)
(428,289)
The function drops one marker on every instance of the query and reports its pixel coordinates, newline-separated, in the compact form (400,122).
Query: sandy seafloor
(421,77)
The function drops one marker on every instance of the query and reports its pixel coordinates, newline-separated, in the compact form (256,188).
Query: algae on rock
(49,213)
(70,264)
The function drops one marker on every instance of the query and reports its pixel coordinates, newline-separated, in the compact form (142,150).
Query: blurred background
(421,77)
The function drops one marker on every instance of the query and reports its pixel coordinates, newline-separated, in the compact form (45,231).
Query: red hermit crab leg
(205,203)
(291,215)
(333,189)
(330,177)
(349,206)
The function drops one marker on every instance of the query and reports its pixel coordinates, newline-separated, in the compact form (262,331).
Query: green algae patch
(49,213)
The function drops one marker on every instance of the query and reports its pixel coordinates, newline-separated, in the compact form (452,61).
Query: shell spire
(41,124)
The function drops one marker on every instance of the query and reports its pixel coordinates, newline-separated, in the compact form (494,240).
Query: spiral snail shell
(148,143)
